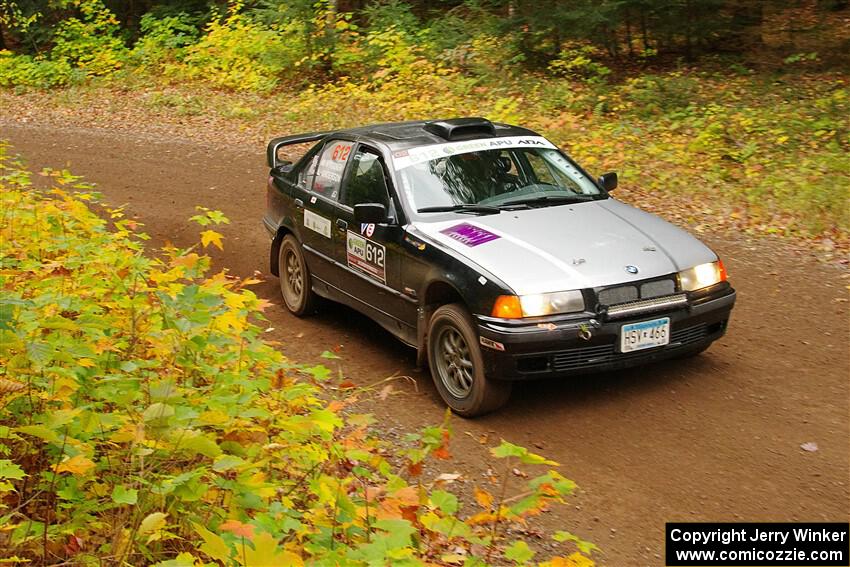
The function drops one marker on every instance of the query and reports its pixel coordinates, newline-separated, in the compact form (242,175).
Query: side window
(548,172)
(332,160)
(308,173)
(540,168)
(366,182)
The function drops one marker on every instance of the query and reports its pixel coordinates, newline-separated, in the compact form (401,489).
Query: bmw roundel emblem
(632,269)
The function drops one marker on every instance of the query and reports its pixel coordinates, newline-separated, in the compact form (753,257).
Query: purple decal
(469,234)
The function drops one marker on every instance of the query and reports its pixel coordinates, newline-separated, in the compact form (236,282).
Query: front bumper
(555,348)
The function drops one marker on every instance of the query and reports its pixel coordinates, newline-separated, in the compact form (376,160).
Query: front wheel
(294,277)
(457,367)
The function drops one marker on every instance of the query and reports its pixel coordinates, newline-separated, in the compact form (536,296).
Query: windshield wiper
(549,200)
(462,208)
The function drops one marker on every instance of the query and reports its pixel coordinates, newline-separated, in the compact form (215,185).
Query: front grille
(633,292)
(616,295)
(587,357)
(657,288)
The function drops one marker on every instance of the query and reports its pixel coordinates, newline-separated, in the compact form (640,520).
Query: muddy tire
(295,287)
(457,366)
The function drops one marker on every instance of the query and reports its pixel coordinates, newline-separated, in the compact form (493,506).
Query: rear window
(332,161)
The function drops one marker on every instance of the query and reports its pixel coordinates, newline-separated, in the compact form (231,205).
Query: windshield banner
(405,158)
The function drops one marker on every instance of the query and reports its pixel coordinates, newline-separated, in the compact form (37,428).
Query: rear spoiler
(277,143)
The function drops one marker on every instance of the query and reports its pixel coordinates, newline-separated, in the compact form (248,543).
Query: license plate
(646,334)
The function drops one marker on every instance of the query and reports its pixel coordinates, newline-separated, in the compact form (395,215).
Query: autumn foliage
(752,141)
(143,420)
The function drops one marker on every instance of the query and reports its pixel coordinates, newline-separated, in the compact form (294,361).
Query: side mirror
(608,181)
(369,213)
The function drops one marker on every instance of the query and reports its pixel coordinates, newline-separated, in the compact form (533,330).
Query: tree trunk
(330,35)
(558,41)
(689,31)
(611,42)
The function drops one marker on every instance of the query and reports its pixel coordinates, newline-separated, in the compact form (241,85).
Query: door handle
(299,203)
(341,225)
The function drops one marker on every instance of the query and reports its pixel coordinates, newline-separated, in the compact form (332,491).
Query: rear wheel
(294,277)
(457,366)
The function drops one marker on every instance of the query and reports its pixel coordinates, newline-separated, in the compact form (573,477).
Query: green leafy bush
(237,53)
(490,58)
(163,40)
(27,71)
(143,420)
(655,94)
(82,47)
(90,44)
(578,61)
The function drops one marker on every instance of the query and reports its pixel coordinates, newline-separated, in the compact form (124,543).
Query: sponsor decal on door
(317,223)
(366,256)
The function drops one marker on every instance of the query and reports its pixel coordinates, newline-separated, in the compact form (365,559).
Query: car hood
(570,246)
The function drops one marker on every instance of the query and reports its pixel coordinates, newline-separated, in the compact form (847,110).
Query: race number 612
(374,254)
(340,152)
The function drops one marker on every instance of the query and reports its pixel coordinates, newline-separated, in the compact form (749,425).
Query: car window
(540,169)
(551,169)
(367,181)
(308,173)
(332,162)
(491,177)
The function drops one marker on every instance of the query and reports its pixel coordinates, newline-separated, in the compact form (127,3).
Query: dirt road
(716,438)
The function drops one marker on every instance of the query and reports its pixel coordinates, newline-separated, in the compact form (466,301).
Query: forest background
(739,108)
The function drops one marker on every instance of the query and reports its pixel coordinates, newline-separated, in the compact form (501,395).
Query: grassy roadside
(750,154)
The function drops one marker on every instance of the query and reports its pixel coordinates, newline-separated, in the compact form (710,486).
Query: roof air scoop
(460,128)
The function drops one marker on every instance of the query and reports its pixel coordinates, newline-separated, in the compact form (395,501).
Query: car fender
(286,225)
(453,279)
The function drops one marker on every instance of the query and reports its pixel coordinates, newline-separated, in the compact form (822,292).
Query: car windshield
(495,179)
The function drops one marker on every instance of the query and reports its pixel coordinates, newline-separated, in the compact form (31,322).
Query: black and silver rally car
(490,251)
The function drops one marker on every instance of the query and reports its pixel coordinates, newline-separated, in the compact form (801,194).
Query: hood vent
(460,128)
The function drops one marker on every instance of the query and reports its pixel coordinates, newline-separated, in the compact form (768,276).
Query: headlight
(513,307)
(702,276)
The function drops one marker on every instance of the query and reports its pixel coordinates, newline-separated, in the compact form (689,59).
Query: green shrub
(489,57)
(90,44)
(238,53)
(577,61)
(163,40)
(82,48)
(557,95)
(27,71)
(657,94)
